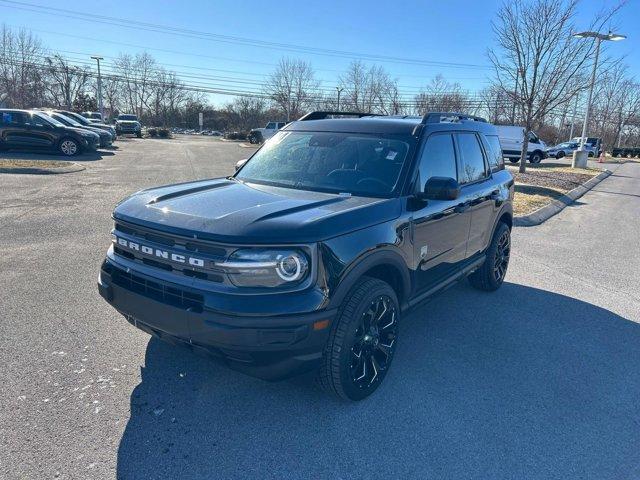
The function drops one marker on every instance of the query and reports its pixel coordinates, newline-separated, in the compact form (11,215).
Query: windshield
(127,117)
(48,119)
(359,164)
(64,119)
(78,118)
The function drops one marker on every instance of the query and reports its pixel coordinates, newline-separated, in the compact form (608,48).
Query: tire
(514,160)
(489,277)
(343,372)
(536,157)
(560,154)
(68,147)
(590,154)
(139,134)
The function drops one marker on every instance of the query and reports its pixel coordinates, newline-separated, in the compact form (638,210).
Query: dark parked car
(128,124)
(31,129)
(105,137)
(86,123)
(307,257)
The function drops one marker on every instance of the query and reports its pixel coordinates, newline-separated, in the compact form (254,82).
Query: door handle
(462,207)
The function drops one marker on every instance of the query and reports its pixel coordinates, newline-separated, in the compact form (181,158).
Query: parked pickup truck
(128,124)
(259,135)
(309,255)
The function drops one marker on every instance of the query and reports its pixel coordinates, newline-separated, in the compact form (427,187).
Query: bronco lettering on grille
(159,253)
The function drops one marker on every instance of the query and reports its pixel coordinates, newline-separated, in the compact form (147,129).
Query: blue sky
(451,32)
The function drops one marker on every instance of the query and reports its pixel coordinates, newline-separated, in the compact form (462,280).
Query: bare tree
(64,81)
(537,52)
(370,89)
(292,86)
(21,69)
(442,96)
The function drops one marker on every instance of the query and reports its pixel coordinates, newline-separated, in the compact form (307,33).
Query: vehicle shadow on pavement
(522,383)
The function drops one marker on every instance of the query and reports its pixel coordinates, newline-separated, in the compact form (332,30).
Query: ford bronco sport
(307,257)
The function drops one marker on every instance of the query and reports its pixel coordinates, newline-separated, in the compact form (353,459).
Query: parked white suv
(511,138)
(259,135)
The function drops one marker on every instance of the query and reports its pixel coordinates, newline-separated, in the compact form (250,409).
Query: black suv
(308,255)
(31,129)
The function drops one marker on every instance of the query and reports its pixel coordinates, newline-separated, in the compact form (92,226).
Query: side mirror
(241,163)
(441,188)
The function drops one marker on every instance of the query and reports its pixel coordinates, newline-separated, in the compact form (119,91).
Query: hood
(230,211)
(98,131)
(100,125)
(80,131)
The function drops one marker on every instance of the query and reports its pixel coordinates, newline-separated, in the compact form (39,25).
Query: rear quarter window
(494,151)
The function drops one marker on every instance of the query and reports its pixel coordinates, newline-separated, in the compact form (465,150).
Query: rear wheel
(490,275)
(362,341)
(560,154)
(536,157)
(69,147)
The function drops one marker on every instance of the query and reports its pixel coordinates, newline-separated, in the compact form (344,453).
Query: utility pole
(339,89)
(580,156)
(100,109)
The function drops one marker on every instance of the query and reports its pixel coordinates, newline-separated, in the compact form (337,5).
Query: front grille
(158,291)
(212,253)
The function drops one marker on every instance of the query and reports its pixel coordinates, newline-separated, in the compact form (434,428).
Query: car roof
(391,124)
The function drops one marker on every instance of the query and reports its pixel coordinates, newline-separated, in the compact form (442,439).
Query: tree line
(539,80)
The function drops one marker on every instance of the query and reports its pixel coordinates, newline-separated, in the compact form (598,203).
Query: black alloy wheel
(501,258)
(374,342)
(362,341)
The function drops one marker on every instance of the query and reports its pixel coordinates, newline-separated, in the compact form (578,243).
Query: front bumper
(267,347)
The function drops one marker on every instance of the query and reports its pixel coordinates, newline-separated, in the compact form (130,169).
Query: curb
(545,213)
(75,167)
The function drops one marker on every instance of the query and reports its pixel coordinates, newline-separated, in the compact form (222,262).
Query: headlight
(256,267)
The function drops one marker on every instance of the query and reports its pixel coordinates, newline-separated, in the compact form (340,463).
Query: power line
(165,29)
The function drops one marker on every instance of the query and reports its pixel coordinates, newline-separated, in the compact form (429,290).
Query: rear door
(440,227)
(14,129)
(477,190)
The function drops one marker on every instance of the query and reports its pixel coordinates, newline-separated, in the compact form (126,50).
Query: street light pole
(581,155)
(100,109)
(339,89)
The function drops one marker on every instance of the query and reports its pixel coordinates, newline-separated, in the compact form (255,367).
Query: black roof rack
(439,117)
(321,115)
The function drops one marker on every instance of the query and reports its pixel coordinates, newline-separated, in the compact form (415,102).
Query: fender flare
(361,264)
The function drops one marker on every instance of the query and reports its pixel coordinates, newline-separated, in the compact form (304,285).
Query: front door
(440,227)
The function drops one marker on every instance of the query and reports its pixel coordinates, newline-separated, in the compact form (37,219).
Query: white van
(511,138)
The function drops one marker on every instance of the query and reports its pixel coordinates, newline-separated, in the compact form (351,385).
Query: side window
(496,159)
(280,125)
(14,118)
(271,125)
(438,159)
(473,168)
(37,121)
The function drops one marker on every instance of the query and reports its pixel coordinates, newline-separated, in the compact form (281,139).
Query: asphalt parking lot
(538,380)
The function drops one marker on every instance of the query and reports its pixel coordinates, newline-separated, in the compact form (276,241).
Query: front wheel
(560,154)
(69,147)
(514,160)
(362,341)
(490,275)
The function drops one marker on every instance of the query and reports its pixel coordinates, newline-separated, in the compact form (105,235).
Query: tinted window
(14,118)
(438,159)
(271,125)
(472,159)
(281,124)
(496,160)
